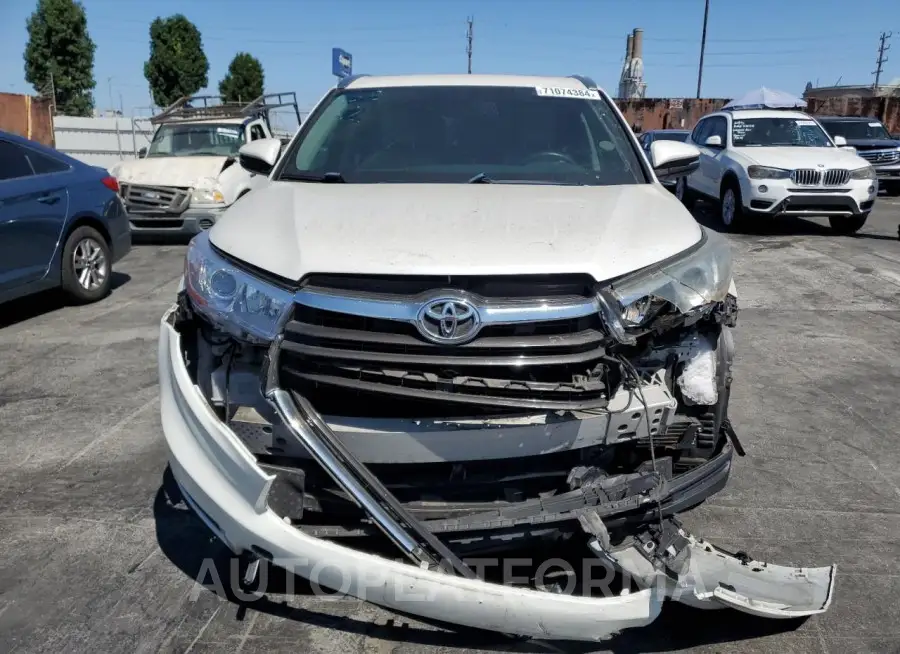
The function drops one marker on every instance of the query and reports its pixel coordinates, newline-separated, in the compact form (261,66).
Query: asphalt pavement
(95,558)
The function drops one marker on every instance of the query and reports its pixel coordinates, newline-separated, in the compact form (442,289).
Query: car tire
(86,266)
(731,207)
(847,226)
(684,194)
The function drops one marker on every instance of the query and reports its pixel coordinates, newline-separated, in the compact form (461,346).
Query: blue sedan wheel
(86,270)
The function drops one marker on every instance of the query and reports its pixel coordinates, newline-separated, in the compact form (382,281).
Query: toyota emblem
(448,320)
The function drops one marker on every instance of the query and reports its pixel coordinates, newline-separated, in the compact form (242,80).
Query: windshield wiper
(326,178)
(480,178)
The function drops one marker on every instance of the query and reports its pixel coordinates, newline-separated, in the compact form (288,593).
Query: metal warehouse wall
(101,141)
(26,116)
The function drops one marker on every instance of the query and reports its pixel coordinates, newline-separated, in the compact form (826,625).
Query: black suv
(873,143)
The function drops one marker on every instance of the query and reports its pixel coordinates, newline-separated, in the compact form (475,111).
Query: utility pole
(470,23)
(702,48)
(882,48)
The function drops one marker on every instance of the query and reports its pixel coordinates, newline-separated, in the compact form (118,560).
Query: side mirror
(142,153)
(840,141)
(672,159)
(713,141)
(260,156)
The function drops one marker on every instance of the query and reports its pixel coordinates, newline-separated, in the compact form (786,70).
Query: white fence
(101,141)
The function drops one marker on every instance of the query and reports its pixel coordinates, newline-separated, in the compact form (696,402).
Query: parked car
(871,140)
(648,138)
(464,315)
(62,223)
(758,163)
(186,178)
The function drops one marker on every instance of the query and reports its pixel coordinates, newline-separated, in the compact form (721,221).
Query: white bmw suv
(768,163)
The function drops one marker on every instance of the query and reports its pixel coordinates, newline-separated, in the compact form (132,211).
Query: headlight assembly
(685,283)
(767,172)
(866,172)
(245,306)
(207,191)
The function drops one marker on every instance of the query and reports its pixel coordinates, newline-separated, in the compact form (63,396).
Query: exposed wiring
(635,376)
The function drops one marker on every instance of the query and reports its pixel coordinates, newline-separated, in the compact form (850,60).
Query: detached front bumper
(222,482)
(192,221)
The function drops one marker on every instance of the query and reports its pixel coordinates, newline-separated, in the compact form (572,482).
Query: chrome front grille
(806,177)
(813,177)
(880,157)
(539,348)
(836,177)
(155,199)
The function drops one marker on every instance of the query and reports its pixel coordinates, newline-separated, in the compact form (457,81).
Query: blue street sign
(341,63)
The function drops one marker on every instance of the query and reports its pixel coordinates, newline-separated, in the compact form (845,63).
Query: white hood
(168,171)
(293,228)
(790,158)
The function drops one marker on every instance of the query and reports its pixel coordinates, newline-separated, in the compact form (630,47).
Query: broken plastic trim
(695,572)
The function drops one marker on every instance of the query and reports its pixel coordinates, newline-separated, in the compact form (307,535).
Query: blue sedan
(62,223)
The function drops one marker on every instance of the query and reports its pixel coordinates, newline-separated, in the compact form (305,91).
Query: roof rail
(587,81)
(347,81)
(205,107)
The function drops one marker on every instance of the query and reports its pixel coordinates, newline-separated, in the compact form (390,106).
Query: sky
(780,44)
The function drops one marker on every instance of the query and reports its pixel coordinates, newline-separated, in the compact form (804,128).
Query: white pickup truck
(187,176)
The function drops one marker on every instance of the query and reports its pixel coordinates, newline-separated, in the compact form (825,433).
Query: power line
(470,25)
(882,48)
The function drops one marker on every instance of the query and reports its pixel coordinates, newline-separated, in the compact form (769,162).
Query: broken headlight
(234,300)
(691,280)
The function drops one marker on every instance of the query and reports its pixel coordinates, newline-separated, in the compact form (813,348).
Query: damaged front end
(458,417)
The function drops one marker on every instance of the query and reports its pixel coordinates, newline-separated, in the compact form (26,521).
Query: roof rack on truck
(206,107)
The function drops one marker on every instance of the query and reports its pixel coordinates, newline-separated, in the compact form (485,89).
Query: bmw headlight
(236,301)
(767,172)
(866,172)
(207,191)
(690,281)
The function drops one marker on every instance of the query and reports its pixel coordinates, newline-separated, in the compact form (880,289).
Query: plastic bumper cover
(223,484)
(192,221)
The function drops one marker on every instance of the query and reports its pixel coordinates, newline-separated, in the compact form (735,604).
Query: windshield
(778,132)
(671,136)
(196,140)
(457,134)
(857,129)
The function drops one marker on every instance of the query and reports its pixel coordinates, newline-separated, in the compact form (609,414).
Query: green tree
(60,50)
(177,65)
(244,81)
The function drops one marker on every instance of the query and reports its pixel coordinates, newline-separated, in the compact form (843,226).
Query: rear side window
(44,164)
(13,162)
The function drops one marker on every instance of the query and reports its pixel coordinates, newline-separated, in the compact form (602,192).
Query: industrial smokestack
(637,48)
(629,48)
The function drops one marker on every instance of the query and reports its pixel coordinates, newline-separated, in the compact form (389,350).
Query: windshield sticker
(805,123)
(228,131)
(739,129)
(874,124)
(560,92)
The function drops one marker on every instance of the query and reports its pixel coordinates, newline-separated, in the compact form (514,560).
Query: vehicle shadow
(32,306)
(191,547)
(160,239)
(705,214)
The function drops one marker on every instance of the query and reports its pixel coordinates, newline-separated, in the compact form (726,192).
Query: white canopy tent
(763,98)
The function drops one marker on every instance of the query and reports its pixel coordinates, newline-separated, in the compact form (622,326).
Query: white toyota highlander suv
(770,163)
(463,315)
